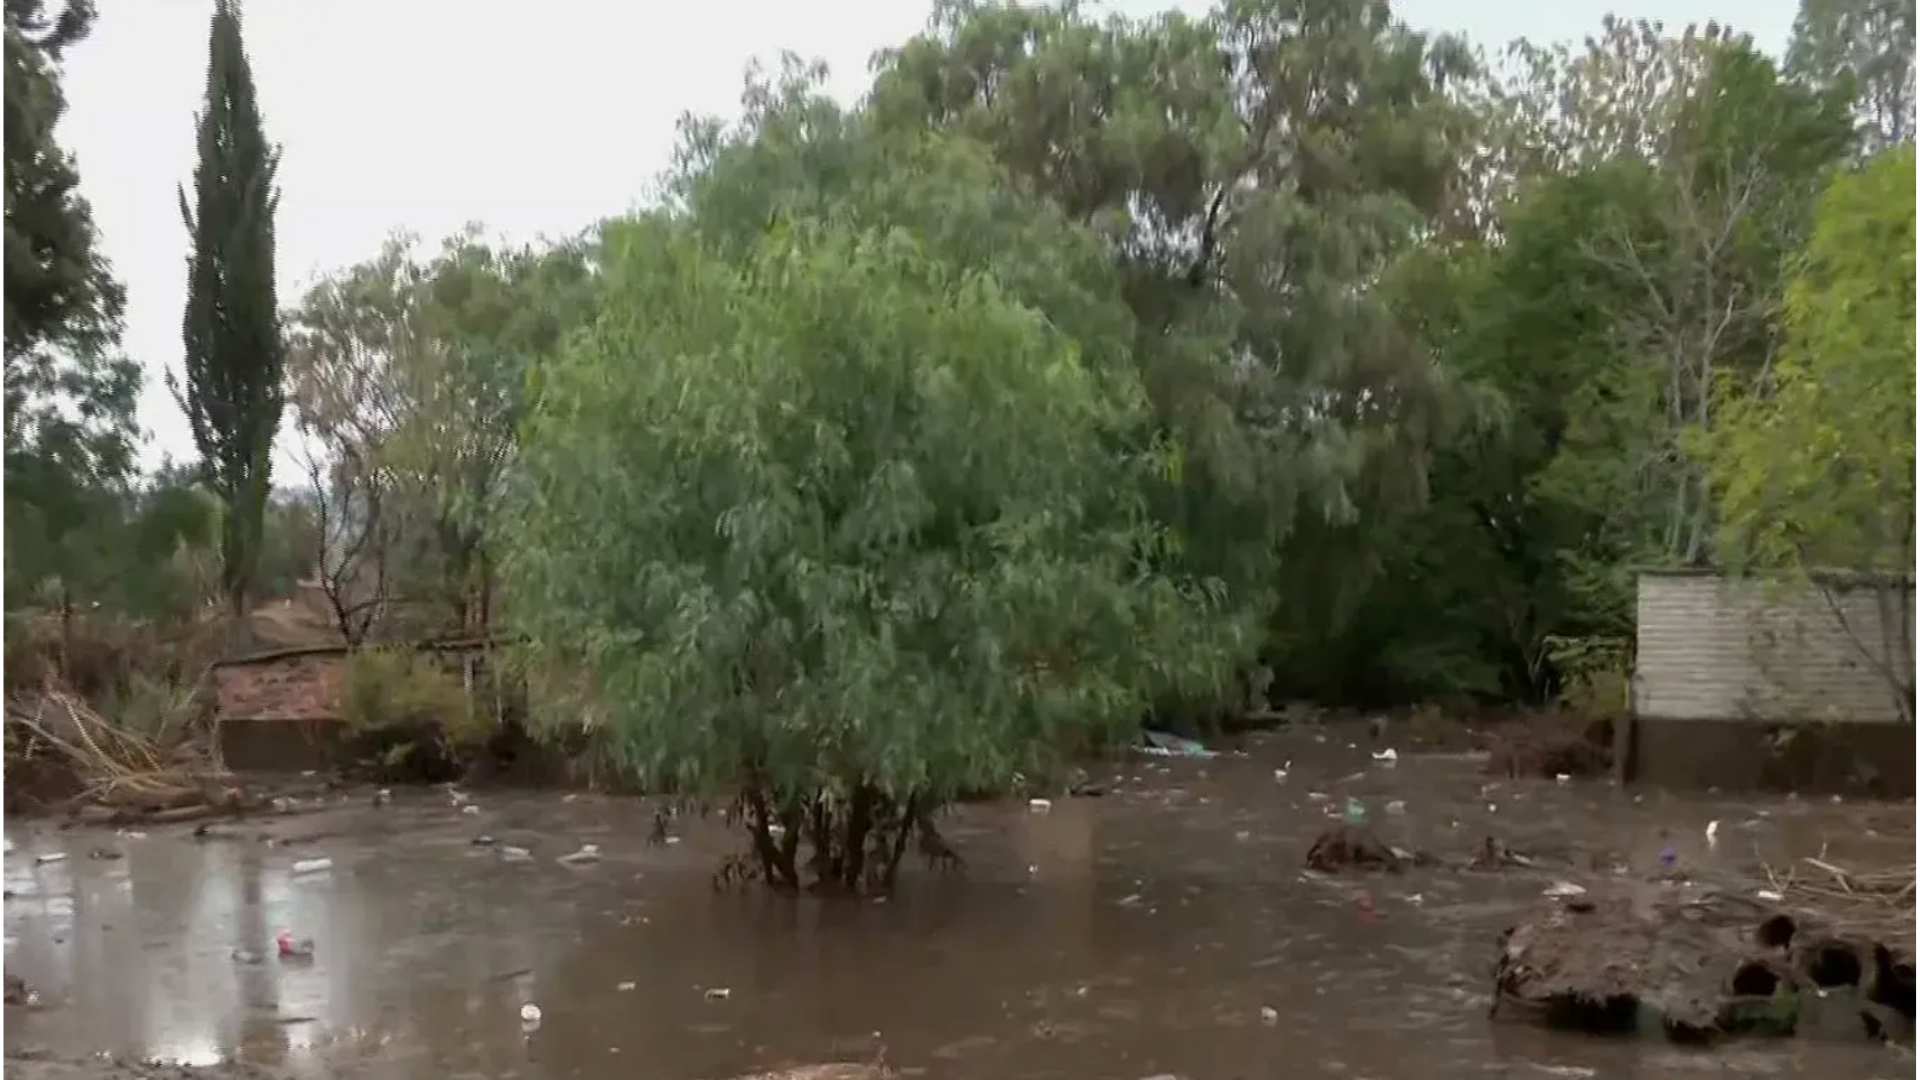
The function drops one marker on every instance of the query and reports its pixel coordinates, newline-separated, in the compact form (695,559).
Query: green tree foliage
(410,374)
(1246,213)
(233,392)
(1862,48)
(891,543)
(69,394)
(1637,270)
(1423,358)
(1818,471)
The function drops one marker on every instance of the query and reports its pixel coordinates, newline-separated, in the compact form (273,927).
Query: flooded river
(1166,928)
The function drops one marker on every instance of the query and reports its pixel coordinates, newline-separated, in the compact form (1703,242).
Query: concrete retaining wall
(1746,683)
(1710,648)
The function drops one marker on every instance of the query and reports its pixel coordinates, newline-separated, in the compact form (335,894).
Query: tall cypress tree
(235,355)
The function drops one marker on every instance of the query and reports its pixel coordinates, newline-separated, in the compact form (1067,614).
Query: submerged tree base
(853,846)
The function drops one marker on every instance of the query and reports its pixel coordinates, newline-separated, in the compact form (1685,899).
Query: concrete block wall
(1713,648)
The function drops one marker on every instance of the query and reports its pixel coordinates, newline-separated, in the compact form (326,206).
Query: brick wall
(291,687)
(1710,648)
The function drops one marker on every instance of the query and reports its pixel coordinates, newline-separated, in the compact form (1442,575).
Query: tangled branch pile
(1878,901)
(166,763)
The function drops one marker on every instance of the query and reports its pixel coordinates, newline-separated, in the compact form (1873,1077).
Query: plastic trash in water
(1713,834)
(588,853)
(291,948)
(1356,811)
(1269,1015)
(1166,744)
(718,993)
(1668,856)
(1387,756)
(1039,806)
(1396,807)
(511,853)
(51,857)
(312,866)
(1562,889)
(529,1013)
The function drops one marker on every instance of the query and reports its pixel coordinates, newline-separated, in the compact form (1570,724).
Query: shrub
(411,713)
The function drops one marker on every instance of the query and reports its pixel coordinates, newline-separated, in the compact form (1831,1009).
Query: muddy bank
(1696,967)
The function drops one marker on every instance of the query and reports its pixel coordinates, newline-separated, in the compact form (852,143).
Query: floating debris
(290,948)
(1166,744)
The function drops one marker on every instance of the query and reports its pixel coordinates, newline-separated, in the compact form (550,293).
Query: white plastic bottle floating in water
(312,866)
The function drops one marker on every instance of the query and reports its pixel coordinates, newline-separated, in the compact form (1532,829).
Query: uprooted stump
(1355,847)
(1695,969)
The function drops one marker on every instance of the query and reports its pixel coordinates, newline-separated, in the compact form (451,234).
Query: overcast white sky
(533,119)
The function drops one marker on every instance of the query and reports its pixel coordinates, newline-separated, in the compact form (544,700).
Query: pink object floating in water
(289,948)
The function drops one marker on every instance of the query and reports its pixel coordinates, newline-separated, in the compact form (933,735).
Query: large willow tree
(843,527)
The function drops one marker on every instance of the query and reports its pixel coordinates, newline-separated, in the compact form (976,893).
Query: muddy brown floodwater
(1129,936)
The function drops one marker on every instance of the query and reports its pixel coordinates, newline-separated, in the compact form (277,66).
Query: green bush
(401,704)
(1595,674)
